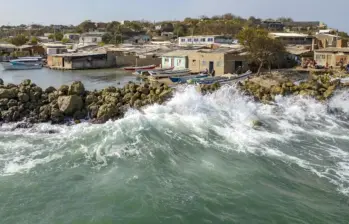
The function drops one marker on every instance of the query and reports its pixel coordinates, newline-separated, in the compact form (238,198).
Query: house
(77,61)
(54,48)
(6,48)
(332,56)
(204,40)
(304,25)
(221,60)
(293,38)
(177,59)
(72,37)
(273,25)
(91,38)
(167,34)
(139,39)
(32,50)
(324,40)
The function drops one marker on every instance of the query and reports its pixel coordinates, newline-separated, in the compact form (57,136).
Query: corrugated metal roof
(5,45)
(82,54)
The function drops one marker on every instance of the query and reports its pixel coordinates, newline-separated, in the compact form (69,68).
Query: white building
(204,40)
(72,36)
(91,38)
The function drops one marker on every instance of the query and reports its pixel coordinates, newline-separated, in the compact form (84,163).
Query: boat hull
(150,67)
(18,66)
(184,79)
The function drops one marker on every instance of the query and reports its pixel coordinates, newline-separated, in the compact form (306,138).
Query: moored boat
(146,71)
(168,74)
(134,68)
(24,63)
(184,79)
(222,79)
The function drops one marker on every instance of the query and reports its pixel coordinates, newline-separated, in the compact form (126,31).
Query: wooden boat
(146,72)
(184,79)
(134,68)
(24,63)
(168,74)
(222,79)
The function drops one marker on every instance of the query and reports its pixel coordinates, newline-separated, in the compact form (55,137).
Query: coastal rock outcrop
(32,104)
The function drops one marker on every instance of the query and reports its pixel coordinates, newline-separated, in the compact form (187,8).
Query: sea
(195,159)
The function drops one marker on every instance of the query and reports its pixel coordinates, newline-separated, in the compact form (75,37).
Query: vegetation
(19,40)
(262,49)
(34,41)
(65,40)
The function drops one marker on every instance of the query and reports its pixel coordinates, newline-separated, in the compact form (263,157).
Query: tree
(86,26)
(262,49)
(59,36)
(19,40)
(65,40)
(107,37)
(51,36)
(34,40)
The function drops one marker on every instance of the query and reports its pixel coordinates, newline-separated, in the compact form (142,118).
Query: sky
(15,12)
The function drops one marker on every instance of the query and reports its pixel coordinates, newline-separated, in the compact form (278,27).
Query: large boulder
(52,96)
(23,97)
(8,93)
(106,112)
(50,89)
(93,111)
(90,99)
(26,82)
(63,90)
(12,103)
(70,104)
(1,82)
(3,102)
(57,116)
(76,88)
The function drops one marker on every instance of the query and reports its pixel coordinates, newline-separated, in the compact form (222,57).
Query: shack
(76,61)
(220,60)
(332,56)
(177,59)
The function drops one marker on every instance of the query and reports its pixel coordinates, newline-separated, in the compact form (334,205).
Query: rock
(93,111)
(23,97)
(106,112)
(70,104)
(138,104)
(90,99)
(111,99)
(8,93)
(24,89)
(76,88)
(45,113)
(257,123)
(10,86)
(78,115)
(50,89)
(12,103)
(26,82)
(3,102)
(57,116)
(1,82)
(52,97)
(63,90)
(127,97)
(109,89)
(166,94)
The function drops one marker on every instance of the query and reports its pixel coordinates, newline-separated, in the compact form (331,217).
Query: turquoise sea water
(196,159)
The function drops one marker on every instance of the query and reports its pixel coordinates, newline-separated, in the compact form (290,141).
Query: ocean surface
(196,159)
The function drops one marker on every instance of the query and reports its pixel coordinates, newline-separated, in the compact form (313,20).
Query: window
(196,40)
(179,62)
(182,40)
(189,40)
(210,39)
(94,39)
(203,39)
(167,60)
(194,63)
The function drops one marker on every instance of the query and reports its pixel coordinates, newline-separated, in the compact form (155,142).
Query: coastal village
(200,51)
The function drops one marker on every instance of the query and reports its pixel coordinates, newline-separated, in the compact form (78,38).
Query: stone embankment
(30,103)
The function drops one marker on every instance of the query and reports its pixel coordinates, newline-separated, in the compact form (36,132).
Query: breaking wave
(296,131)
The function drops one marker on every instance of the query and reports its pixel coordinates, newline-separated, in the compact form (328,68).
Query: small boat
(184,79)
(23,63)
(222,79)
(147,67)
(146,72)
(169,74)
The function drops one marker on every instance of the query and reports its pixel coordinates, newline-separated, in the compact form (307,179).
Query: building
(332,56)
(72,37)
(304,25)
(273,25)
(204,40)
(139,39)
(177,59)
(32,50)
(91,38)
(76,61)
(323,40)
(6,48)
(293,38)
(220,60)
(55,48)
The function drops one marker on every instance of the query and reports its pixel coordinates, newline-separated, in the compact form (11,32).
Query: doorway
(237,66)
(211,66)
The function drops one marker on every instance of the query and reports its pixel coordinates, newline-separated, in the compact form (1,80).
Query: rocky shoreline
(31,104)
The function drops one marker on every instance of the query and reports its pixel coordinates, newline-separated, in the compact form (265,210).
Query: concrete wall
(222,63)
(130,60)
(331,59)
(176,62)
